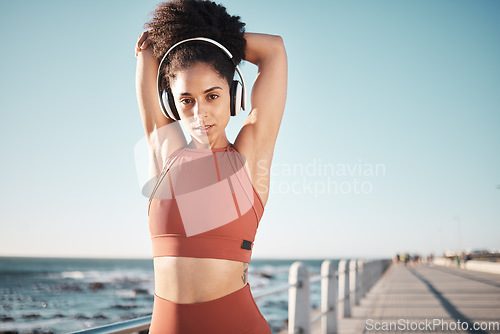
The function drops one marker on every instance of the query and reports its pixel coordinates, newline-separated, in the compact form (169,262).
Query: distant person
(207,195)
(407,259)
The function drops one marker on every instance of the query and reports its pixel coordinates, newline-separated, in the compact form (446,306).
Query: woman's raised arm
(260,129)
(146,86)
(163,134)
(259,132)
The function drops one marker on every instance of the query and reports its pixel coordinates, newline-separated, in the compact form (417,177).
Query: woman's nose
(199,111)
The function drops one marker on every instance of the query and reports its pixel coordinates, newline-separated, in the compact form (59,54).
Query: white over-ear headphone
(237,90)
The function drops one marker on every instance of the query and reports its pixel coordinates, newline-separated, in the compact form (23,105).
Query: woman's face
(202,99)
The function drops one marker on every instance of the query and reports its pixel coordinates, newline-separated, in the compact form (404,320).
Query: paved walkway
(434,299)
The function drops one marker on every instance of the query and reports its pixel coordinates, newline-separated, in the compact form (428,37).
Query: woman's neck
(220,143)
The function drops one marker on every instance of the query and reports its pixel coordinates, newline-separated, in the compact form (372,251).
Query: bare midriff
(189,280)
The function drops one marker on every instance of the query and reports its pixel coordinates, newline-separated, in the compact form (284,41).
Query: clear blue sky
(395,103)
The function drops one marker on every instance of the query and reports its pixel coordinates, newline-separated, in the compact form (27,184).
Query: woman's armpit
(153,151)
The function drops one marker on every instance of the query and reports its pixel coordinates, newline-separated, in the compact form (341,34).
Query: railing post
(369,275)
(299,315)
(373,269)
(361,279)
(354,282)
(344,301)
(373,273)
(328,298)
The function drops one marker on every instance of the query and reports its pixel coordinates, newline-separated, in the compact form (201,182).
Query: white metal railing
(353,280)
(129,326)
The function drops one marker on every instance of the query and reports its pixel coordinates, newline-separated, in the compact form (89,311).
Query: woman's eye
(186,101)
(213,96)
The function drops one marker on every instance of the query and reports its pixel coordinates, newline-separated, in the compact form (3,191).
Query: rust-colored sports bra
(204,205)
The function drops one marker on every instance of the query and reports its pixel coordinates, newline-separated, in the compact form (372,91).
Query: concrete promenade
(432,298)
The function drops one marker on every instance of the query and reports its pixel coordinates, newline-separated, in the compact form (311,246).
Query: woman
(206,196)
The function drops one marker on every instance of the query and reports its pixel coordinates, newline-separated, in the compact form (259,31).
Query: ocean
(62,295)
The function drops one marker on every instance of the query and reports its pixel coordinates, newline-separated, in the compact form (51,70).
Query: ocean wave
(79,274)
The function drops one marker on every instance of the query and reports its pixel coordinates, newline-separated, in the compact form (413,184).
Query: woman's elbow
(278,44)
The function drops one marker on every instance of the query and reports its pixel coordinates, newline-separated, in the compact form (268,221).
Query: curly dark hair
(176,20)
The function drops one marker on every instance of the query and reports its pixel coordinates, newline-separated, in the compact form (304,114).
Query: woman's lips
(203,128)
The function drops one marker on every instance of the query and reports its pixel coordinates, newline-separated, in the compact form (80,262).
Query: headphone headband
(211,41)
(198,39)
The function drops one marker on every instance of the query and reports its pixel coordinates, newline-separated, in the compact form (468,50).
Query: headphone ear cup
(169,105)
(165,108)
(236,96)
